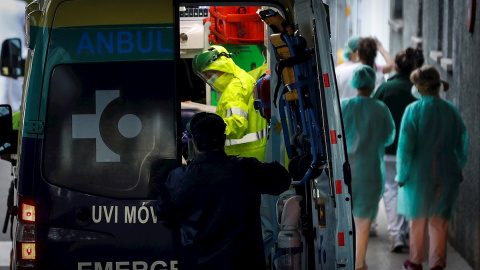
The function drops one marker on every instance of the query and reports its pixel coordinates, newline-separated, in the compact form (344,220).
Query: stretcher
(305,94)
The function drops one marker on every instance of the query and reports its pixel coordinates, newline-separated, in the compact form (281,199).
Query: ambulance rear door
(107,137)
(331,199)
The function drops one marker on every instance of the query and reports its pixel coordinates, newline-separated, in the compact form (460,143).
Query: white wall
(373,16)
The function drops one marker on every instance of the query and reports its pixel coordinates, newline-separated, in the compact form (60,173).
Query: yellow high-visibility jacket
(246,129)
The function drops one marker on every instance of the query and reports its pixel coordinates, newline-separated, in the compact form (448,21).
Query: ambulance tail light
(26,249)
(27,208)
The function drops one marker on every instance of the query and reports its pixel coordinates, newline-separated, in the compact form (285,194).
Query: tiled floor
(380,258)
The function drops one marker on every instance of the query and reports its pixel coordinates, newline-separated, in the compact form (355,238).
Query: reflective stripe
(251,137)
(236,111)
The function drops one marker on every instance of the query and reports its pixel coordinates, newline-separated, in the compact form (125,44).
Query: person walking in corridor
(369,128)
(432,151)
(367,52)
(396,94)
(344,71)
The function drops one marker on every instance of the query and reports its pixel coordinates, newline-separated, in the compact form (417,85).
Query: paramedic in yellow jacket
(246,129)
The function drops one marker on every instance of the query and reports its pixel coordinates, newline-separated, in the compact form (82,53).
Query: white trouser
(269,222)
(362,226)
(429,235)
(397,225)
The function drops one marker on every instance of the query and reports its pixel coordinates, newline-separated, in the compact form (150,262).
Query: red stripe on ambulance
(333,136)
(326,80)
(341,239)
(338,186)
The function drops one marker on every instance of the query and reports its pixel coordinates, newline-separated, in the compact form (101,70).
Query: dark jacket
(396,94)
(216,201)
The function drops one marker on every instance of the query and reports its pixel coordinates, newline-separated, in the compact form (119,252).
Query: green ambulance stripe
(112,43)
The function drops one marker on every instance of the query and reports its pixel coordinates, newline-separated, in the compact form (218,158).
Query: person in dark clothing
(215,199)
(396,94)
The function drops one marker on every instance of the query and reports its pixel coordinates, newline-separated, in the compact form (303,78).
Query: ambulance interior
(237,28)
(249,44)
(202,26)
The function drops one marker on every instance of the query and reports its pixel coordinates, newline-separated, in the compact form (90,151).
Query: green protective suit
(246,129)
(432,151)
(369,128)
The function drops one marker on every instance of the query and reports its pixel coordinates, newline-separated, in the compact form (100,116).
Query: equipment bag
(262,96)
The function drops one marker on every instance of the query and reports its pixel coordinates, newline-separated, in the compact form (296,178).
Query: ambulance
(108,86)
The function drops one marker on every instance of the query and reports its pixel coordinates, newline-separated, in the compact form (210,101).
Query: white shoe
(397,244)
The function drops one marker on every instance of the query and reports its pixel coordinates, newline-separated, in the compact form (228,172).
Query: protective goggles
(203,60)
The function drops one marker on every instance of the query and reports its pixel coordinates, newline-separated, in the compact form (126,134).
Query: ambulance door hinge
(33,127)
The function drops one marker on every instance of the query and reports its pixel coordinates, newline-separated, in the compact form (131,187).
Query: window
(397,9)
(420,19)
(443,52)
(447,36)
(396,22)
(110,128)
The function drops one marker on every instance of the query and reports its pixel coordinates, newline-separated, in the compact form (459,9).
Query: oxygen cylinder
(289,242)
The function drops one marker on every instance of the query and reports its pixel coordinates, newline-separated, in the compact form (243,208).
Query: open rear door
(309,108)
(335,238)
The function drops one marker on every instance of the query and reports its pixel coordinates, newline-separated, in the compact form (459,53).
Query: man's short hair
(208,131)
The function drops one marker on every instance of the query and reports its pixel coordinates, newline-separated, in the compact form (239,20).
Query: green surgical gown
(432,151)
(369,128)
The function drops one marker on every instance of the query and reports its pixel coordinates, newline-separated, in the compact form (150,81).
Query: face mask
(415,92)
(222,82)
(212,79)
